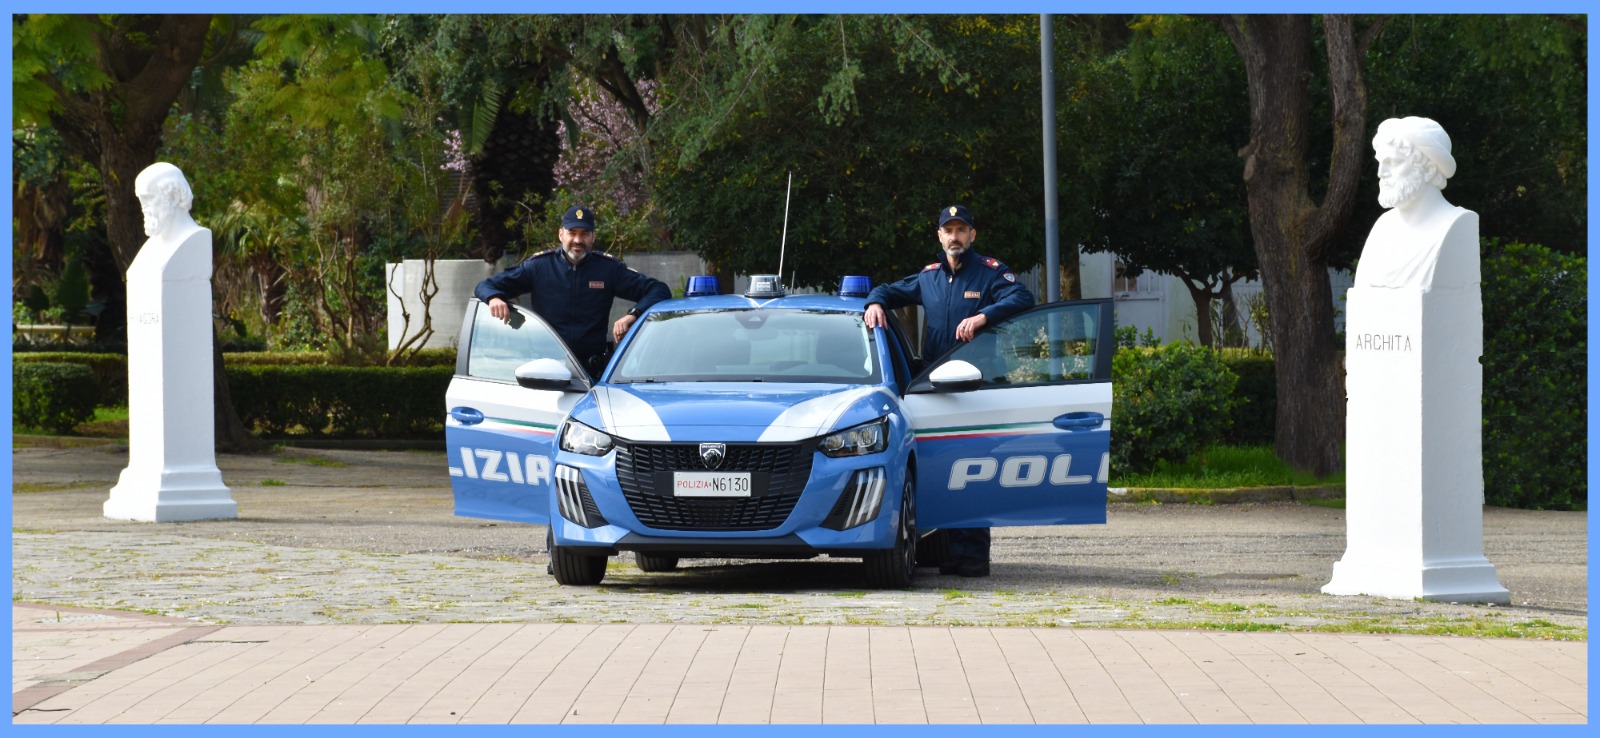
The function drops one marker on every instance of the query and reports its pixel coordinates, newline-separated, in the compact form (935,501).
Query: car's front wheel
(649,562)
(893,568)
(573,568)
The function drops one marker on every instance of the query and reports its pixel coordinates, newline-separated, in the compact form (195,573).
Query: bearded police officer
(960,294)
(572,288)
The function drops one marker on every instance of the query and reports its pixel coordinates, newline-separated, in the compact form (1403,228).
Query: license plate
(711,484)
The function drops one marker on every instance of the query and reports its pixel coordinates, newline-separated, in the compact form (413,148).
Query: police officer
(572,288)
(961,293)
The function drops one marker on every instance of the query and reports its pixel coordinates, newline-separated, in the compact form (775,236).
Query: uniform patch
(1009,277)
(597,285)
(931,267)
(972,294)
(992,263)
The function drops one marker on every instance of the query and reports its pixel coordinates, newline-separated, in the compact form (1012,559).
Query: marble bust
(1405,247)
(172,472)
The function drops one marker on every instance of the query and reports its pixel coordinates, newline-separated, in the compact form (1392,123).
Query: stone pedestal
(1414,448)
(172,471)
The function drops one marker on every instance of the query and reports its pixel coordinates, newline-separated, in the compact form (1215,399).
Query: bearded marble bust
(1404,248)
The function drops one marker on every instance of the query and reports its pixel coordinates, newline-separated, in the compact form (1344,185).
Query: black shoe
(966,569)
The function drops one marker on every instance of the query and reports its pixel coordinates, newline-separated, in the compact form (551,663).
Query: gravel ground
(368,536)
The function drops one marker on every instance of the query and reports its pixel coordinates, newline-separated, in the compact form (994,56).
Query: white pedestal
(1414,442)
(172,471)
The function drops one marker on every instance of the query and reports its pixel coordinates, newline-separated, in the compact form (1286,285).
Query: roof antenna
(784,239)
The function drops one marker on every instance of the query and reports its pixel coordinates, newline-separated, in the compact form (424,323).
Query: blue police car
(773,426)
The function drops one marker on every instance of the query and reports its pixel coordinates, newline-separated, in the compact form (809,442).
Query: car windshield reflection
(749,345)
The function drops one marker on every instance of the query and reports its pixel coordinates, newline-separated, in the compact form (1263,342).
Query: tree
(106,84)
(1294,231)
(1154,127)
(882,119)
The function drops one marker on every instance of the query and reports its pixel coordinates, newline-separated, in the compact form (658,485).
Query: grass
(1221,467)
(312,460)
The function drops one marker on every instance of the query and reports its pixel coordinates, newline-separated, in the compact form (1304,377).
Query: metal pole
(1052,217)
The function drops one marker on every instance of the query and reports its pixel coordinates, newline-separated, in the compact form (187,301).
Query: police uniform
(576,299)
(948,296)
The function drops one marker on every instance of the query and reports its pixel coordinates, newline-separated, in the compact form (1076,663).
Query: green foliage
(72,292)
(1535,368)
(110,370)
(54,396)
(1221,467)
(1255,407)
(870,170)
(1127,336)
(1150,135)
(425,357)
(339,401)
(1166,403)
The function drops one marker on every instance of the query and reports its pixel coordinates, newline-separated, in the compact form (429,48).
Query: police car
(774,426)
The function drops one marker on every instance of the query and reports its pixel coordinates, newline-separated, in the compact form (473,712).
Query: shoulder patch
(602,253)
(931,267)
(545,252)
(994,264)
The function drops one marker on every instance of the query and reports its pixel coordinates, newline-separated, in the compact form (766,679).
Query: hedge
(54,396)
(425,357)
(1255,406)
(1535,378)
(110,371)
(341,401)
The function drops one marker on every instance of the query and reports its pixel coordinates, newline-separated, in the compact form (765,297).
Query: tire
(933,549)
(893,568)
(574,569)
(649,562)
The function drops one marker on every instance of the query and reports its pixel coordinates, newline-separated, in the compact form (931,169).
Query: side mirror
(956,376)
(545,374)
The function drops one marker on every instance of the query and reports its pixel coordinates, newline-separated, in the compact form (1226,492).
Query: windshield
(750,345)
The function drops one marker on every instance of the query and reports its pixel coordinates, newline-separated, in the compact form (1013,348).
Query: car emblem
(712,454)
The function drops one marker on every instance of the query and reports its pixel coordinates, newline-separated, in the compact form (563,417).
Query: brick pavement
(75,666)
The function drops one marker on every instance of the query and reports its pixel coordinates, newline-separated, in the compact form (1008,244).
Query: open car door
(1014,427)
(498,432)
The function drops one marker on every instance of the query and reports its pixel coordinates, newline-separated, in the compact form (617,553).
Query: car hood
(727,411)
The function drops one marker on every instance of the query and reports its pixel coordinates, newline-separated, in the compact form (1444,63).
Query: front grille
(778,474)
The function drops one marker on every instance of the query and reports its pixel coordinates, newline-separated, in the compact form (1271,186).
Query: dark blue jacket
(981,285)
(575,301)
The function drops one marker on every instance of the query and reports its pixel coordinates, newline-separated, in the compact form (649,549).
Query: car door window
(499,347)
(1049,344)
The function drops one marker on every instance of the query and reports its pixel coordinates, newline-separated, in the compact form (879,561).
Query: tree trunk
(1202,314)
(1291,231)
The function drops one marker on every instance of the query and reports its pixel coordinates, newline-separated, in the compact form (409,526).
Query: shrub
(1535,378)
(1255,408)
(1166,403)
(425,357)
(52,395)
(110,370)
(341,401)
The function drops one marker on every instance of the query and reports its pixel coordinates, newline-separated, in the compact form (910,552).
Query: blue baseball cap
(956,212)
(578,216)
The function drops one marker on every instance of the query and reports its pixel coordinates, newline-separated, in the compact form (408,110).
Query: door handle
(1081,421)
(466,415)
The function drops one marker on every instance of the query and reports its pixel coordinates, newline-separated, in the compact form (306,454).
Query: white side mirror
(547,374)
(956,376)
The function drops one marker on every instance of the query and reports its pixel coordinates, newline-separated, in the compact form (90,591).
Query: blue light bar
(702,286)
(855,286)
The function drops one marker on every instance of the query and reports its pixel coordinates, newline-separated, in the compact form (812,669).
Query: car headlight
(867,438)
(581,439)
